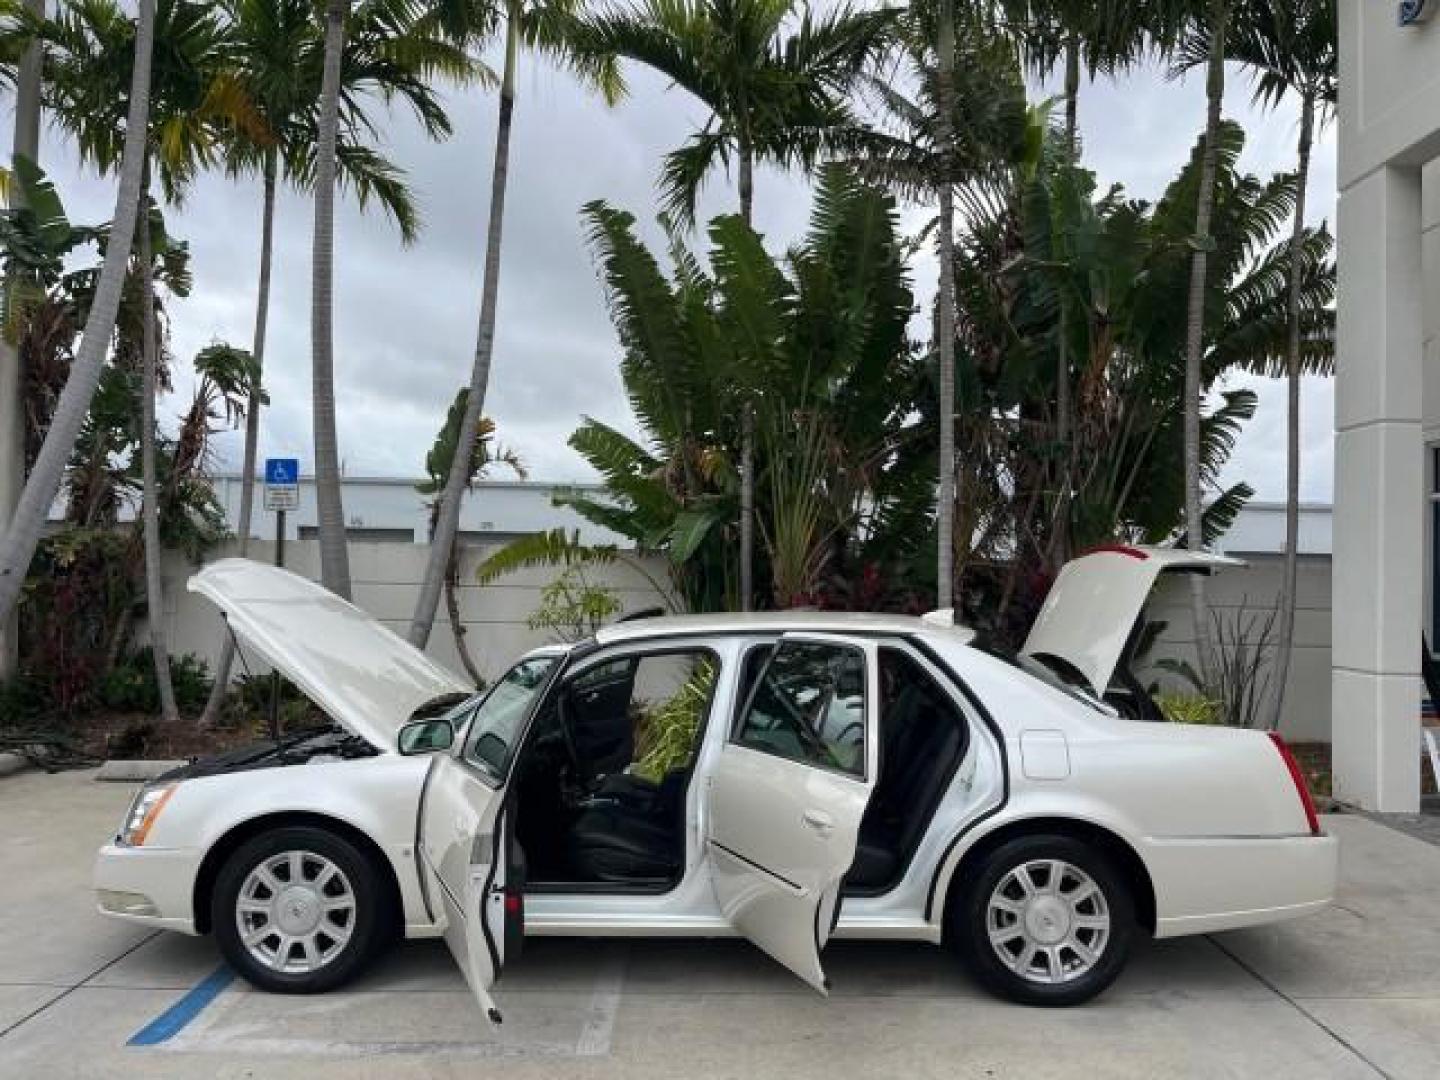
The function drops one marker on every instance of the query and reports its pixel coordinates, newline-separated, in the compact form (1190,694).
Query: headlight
(142,814)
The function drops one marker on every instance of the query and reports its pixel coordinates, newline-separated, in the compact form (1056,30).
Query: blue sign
(282,483)
(282,470)
(1414,11)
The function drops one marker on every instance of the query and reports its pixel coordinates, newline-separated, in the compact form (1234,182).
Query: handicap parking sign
(282,483)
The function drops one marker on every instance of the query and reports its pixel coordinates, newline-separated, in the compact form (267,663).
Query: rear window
(1052,672)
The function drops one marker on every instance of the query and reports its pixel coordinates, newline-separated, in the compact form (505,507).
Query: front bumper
(1224,883)
(151,886)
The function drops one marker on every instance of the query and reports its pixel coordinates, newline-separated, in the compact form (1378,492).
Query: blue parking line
(173,1020)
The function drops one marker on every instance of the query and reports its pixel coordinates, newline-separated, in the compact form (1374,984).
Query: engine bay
(327,742)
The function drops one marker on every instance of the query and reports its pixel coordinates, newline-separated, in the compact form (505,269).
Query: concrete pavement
(1353,992)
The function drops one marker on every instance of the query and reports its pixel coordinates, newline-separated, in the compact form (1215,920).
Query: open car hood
(1092,607)
(365,676)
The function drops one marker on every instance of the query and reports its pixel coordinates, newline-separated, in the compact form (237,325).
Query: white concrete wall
(385,578)
(1306,716)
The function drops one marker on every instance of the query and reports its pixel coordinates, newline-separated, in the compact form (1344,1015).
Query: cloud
(406,317)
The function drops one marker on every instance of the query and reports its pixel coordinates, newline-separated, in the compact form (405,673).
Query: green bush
(1181,708)
(130,686)
(22,702)
(666,734)
(247,705)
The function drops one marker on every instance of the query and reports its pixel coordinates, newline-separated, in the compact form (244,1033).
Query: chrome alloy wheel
(1048,921)
(295,912)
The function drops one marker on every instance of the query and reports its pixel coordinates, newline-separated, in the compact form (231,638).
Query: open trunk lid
(1087,617)
(364,675)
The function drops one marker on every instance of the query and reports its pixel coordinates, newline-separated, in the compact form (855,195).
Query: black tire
(369,926)
(970,926)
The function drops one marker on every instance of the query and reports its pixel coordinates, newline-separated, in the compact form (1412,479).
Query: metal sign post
(282,494)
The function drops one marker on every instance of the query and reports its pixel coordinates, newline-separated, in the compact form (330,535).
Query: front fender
(377,796)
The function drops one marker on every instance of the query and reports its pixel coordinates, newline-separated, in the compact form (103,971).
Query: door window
(809,706)
(495,725)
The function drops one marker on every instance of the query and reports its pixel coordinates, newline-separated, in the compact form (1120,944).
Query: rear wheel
(1046,921)
(299,910)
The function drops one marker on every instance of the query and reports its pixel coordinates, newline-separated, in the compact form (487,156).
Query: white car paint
(364,675)
(1089,612)
(1210,814)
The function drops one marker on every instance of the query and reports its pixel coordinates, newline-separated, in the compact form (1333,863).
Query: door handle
(819,820)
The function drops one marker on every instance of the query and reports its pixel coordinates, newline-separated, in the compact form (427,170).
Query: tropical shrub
(130,685)
(572,607)
(1182,708)
(815,340)
(665,735)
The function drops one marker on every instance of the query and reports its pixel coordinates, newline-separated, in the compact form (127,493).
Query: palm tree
(773,96)
(437,470)
(1291,47)
(278,56)
(1096,35)
(12,424)
(18,545)
(334,555)
(547,27)
(967,125)
(195,103)
(1210,23)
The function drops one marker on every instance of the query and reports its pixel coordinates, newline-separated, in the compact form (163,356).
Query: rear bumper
(1224,883)
(151,886)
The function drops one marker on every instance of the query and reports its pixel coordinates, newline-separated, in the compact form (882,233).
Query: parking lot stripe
(173,1020)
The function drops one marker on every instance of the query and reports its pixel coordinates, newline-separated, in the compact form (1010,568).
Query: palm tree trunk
(252,422)
(1285,640)
(747,414)
(149,507)
(18,545)
(452,609)
(945,498)
(334,556)
(1195,331)
(1072,93)
(1060,545)
(12,379)
(747,507)
(459,478)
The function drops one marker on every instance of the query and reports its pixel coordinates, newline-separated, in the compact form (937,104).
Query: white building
(384,508)
(1387,412)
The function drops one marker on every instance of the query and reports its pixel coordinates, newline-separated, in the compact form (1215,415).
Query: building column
(1379,495)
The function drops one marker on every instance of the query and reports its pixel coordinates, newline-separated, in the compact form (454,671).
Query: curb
(130,772)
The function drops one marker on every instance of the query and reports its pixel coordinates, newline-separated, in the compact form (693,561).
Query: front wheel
(298,910)
(1046,921)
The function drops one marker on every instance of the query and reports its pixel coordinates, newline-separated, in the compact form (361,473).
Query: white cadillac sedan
(786,777)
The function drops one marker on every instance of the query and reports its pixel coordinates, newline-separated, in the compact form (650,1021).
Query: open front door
(788,792)
(465,848)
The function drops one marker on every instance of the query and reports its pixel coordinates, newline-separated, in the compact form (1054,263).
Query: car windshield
(495,718)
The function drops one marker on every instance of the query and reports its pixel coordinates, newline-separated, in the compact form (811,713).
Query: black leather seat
(631,832)
(922,740)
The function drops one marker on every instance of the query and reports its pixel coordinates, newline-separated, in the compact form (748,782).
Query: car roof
(775,622)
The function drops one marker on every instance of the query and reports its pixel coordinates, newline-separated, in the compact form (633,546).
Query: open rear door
(465,848)
(788,793)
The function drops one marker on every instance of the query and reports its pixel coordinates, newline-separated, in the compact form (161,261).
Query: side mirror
(425,737)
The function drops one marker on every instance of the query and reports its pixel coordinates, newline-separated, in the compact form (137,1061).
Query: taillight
(1301,788)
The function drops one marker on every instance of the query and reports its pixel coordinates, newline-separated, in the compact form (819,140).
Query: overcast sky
(406,317)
